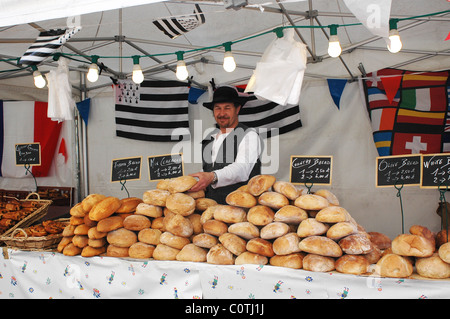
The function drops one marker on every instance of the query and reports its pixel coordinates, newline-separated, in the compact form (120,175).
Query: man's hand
(204,179)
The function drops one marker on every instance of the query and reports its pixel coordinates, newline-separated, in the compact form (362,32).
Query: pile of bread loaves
(264,222)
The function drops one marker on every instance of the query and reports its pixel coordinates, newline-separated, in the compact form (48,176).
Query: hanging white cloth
(60,101)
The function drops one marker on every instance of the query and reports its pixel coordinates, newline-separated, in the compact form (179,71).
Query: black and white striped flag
(46,44)
(173,27)
(152,110)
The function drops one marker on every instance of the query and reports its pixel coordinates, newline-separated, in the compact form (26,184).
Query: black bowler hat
(225,94)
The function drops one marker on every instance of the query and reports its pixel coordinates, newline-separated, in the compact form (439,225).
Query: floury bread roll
(260,246)
(287,189)
(104,208)
(77,210)
(202,204)
(286,244)
(219,255)
(115,251)
(181,184)
(311,227)
(380,240)
(193,253)
(294,261)
(149,210)
(432,267)
(136,222)
(342,229)
(156,197)
(352,264)
(164,252)
(150,236)
(178,225)
(290,214)
(444,252)
(173,241)
(89,251)
(204,240)
(329,196)
(245,230)
(251,258)
(274,230)
(273,200)
(393,265)
(333,214)
(412,245)
(181,204)
(197,194)
(128,205)
(215,227)
(260,215)
(356,244)
(235,244)
(320,245)
(424,232)
(89,201)
(241,199)
(109,224)
(229,214)
(318,263)
(311,202)
(121,237)
(259,184)
(141,250)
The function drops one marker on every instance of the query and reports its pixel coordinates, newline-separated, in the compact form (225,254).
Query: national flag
(176,26)
(152,110)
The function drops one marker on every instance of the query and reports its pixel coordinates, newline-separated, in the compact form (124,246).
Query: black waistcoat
(225,156)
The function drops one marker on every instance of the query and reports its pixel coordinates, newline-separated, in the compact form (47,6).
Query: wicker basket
(33,217)
(33,243)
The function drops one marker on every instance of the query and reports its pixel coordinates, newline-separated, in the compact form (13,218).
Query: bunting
(176,26)
(336,87)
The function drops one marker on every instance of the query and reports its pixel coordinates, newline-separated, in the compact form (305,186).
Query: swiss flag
(415,143)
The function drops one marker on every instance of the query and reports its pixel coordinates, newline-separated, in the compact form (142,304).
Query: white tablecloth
(25,274)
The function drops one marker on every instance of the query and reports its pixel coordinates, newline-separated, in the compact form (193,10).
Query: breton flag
(46,44)
(176,26)
(417,119)
(152,110)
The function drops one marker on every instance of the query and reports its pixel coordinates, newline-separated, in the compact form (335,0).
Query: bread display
(241,199)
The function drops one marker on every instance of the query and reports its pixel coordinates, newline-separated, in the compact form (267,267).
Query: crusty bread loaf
(136,222)
(163,184)
(164,252)
(201,204)
(250,258)
(444,252)
(71,250)
(311,202)
(80,241)
(197,194)
(286,244)
(311,227)
(219,255)
(333,214)
(178,225)
(318,263)
(260,246)
(235,244)
(290,214)
(260,215)
(95,234)
(109,224)
(63,243)
(229,214)
(149,210)
(115,251)
(77,210)
(141,250)
(104,208)
(180,203)
(245,230)
(76,220)
(342,229)
(69,230)
(294,260)
(196,224)
(97,243)
(412,245)
(380,240)
(273,200)
(241,199)
(356,244)
(173,241)
(89,201)
(215,227)
(156,197)
(329,196)
(181,184)
(121,237)
(207,214)
(432,267)
(393,265)
(274,230)
(193,253)
(259,184)
(128,205)
(287,189)
(352,264)
(150,236)
(204,240)
(424,232)
(89,251)
(320,245)
(81,229)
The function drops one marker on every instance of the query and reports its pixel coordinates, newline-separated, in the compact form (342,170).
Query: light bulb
(182,72)
(394,44)
(39,80)
(334,47)
(138,76)
(92,74)
(228,62)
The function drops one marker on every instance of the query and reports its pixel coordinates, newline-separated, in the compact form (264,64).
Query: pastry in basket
(32,231)
(6,222)
(14,215)
(53,227)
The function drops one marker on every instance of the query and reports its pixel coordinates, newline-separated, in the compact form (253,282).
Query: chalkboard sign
(126,169)
(311,169)
(165,166)
(398,170)
(28,154)
(435,170)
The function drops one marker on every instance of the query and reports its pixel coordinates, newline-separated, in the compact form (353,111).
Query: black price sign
(398,170)
(28,154)
(126,169)
(435,170)
(311,169)
(165,166)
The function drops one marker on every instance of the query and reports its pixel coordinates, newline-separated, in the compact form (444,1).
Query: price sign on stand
(165,166)
(28,154)
(311,169)
(126,169)
(435,170)
(398,170)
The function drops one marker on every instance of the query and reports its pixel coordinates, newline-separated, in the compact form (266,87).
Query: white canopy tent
(116,31)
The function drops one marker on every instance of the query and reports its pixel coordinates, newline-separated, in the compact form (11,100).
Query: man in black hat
(231,152)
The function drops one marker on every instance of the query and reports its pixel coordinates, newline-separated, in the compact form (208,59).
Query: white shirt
(247,155)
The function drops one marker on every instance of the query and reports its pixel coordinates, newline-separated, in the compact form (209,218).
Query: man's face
(226,114)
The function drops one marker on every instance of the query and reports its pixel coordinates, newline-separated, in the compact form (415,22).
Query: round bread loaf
(259,184)
(311,202)
(342,229)
(136,222)
(290,214)
(173,241)
(141,250)
(245,230)
(121,237)
(241,199)
(89,201)
(287,244)
(207,214)
(150,236)
(215,227)
(95,234)
(156,197)
(163,184)
(320,245)
(97,243)
(412,245)
(444,252)
(80,241)
(180,203)
(352,264)
(201,204)
(219,255)
(178,225)
(71,250)
(235,244)
(393,265)
(82,229)
(260,246)
(287,189)
(204,240)
(432,267)
(128,205)
(329,196)
(333,214)
(193,253)
(158,223)
(294,260)
(311,227)
(196,224)
(109,224)
(197,194)
(89,251)
(424,232)
(229,214)
(260,215)
(374,255)
(115,251)
(318,263)
(273,200)
(104,208)
(274,230)
(250,258)
(164,252)
(356,244)
(77,210)
(442,237)
(181,184)
(380,240)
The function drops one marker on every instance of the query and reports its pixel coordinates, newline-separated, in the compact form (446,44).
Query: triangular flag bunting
(391,85)
(336,87)
(84,107)
(62,149)
(448,37)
